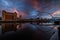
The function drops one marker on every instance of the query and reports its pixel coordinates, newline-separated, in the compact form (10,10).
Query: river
(45,27)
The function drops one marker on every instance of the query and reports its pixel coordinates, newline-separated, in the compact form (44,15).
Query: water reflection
(6,27)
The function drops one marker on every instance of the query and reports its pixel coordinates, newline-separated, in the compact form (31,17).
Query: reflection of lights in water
(22,26)
(31,26)
(55,28)
(51,26)
(18,27)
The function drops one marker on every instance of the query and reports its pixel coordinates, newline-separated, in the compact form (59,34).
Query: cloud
(48,6)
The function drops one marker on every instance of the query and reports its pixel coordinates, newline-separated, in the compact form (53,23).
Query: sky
(31,8)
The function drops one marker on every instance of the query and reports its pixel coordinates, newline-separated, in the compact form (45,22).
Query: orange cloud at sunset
(22,13)
(55,13)
(16,12)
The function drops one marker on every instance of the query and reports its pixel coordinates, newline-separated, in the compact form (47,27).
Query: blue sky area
(32,8)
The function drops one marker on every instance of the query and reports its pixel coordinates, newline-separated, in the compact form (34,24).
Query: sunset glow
(16,12)
(56,13)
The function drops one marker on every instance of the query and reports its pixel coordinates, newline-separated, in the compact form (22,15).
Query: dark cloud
(30,5)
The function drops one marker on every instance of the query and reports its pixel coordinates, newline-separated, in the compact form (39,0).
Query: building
(7,16)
